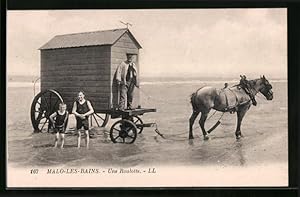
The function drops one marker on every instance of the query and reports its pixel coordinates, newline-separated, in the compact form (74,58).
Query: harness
(233,108)
(246,86)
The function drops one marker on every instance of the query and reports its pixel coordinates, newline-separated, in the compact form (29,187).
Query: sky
(176,42)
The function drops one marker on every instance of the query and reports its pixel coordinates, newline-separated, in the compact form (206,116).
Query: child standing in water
(82,109)
(60,120)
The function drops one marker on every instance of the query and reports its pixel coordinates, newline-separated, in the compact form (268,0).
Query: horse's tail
(193,97)
(193,100)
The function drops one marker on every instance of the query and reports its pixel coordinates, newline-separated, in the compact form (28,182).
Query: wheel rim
(123,131)
(99,120)
(43,105)
(138,123)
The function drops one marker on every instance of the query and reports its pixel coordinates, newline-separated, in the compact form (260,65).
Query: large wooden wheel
(43,105)
(123,131)
(99,119)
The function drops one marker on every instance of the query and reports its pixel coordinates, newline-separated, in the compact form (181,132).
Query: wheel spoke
(130,136)
(116,137)
(100,117)
(41,119)
(136,121)
(117,129)
(129,128)
(44,124)
(39,113)
(123,140)
(96,120)
(46,103)
(53,108)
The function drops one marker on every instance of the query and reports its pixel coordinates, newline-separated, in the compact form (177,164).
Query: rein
(217,123)
(251,84)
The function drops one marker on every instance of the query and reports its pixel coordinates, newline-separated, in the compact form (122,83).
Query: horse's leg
(240,115)
(202,123)
(192,120)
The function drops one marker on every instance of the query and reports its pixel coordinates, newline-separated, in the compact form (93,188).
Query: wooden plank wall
(69,70)
(118,54)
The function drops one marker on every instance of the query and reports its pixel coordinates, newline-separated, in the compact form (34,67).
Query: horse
(207,98)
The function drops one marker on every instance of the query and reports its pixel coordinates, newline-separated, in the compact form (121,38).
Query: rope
(164,136)
(212,115)
(260,95)
(184,132)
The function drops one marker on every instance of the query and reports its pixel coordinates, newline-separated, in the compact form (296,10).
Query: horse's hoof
(238,137)
(206,138)
(191,137)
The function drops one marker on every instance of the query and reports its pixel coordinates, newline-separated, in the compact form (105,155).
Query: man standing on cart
(126,77)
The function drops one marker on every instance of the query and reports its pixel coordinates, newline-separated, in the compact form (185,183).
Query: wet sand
(264,129)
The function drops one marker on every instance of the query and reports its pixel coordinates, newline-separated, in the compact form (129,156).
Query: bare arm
(74,110)
(91,110)
(52,117)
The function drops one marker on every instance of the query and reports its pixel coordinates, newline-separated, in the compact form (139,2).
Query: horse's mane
(252,82)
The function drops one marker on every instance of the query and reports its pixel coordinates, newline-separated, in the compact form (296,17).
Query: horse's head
(266,88)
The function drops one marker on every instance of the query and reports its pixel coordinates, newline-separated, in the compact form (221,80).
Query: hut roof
(95,38)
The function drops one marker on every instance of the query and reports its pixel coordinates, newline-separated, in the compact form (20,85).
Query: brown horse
(207,98)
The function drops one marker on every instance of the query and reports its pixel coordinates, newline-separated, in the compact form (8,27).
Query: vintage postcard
(147,98)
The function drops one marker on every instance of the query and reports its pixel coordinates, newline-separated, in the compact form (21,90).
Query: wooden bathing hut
(87,61)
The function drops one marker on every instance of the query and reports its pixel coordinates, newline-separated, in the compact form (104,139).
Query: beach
(264,129)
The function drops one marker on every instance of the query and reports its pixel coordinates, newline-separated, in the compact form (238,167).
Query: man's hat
(130,54)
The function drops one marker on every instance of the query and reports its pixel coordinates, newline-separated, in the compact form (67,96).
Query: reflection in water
(240,153)
(126,150)
(106,137)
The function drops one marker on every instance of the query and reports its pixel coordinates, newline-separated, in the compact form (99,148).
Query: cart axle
(145,125)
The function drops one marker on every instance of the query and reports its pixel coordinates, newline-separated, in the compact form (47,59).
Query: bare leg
(78,139)
(87,139)
(192,120)
(62,140)
(240,115)
(56,139)
(202,123)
